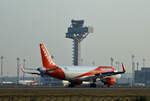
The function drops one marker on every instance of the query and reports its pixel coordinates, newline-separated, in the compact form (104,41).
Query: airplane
(76,75)
(7,83)
(27,82)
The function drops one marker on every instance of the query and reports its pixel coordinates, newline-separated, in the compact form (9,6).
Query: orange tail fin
(46,57)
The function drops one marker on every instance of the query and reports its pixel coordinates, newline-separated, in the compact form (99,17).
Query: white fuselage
(73,71)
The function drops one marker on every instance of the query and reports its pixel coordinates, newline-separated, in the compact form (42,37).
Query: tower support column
(76,52)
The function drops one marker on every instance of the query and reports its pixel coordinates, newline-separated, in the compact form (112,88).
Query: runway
(21,87)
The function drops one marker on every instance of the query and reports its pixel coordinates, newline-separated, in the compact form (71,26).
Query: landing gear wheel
(93,85)
(71,85)
(108,86)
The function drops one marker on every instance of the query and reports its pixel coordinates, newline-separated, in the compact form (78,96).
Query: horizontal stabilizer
(23,70)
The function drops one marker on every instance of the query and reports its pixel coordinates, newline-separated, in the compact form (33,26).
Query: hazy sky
(121,28)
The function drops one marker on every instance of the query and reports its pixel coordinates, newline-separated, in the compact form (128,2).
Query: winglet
(21,67)
(123,68)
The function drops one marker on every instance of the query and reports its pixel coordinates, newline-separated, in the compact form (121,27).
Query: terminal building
(142,76)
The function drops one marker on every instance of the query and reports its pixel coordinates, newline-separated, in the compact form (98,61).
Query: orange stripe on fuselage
(99,70)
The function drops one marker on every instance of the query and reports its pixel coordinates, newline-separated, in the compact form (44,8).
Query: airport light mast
(18,61)
(24,61)
(137,66)
(144,62)
(133,70)
(2,57)
(112,61)
(77,32)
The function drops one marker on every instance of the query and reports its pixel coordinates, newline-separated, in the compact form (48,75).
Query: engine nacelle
(109,81)
(42,69)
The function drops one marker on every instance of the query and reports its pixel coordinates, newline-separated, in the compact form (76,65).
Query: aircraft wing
(111,73)
(100,75)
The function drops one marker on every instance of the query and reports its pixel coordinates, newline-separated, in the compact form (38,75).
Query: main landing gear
(71,85)
(93,85)
(107,85)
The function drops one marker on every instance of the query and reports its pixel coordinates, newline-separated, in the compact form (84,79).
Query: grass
(75,95)
(78,92)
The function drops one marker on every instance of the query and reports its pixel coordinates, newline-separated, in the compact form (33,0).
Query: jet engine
(109,81)
(41,69)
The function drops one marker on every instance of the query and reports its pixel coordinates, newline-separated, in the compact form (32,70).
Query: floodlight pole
(24,60)
(2,57)
(18,60)
(133,69)
(111,60)
(144,62)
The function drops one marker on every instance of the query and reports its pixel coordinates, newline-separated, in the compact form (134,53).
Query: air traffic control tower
(77,32)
